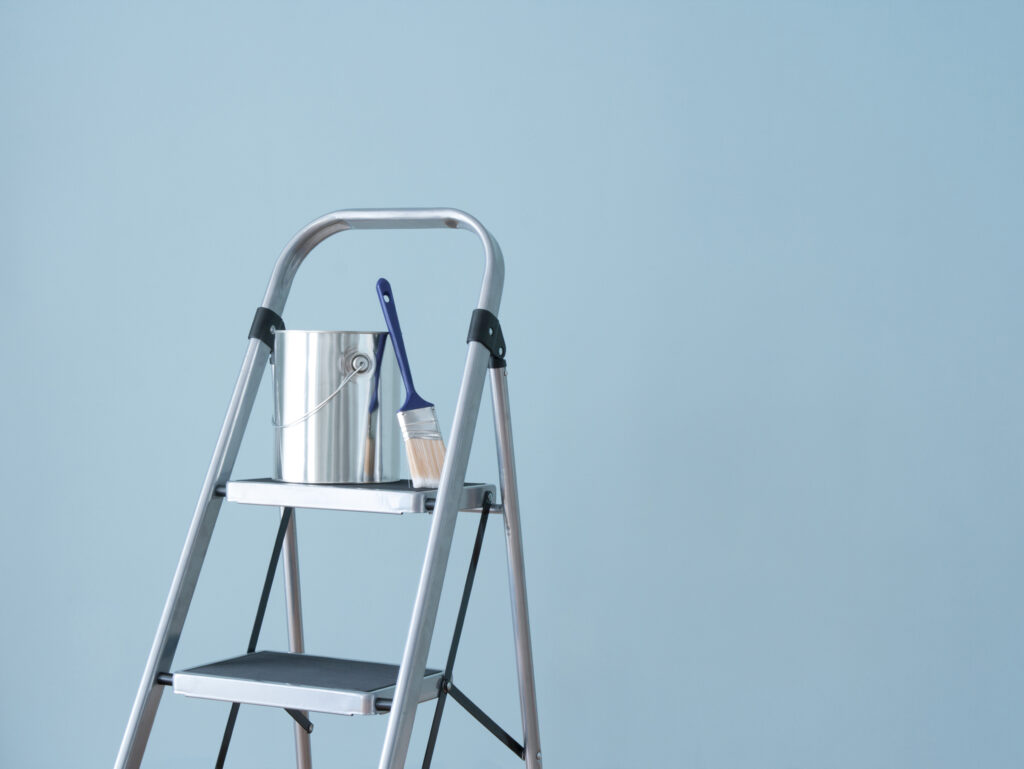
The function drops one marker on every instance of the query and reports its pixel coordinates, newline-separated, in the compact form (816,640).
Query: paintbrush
(424,445)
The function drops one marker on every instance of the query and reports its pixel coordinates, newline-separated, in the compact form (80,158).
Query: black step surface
(305,670)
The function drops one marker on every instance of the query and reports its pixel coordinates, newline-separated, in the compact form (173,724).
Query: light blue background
(765,332)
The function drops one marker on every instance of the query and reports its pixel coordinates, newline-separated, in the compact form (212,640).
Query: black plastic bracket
(485,329)
(264,323)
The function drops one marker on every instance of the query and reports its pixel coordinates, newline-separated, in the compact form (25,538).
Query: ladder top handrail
(314,233)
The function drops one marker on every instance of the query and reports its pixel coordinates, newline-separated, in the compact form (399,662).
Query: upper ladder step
(300,682)
(396,497)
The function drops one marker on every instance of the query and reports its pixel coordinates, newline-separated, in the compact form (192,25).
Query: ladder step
(397,497)
(300,682)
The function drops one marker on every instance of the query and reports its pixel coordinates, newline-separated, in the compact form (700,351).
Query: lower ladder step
(300,682)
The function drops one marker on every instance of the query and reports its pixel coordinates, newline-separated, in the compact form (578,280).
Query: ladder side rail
(439,543)
(197,541)
(516,565)
(296,640)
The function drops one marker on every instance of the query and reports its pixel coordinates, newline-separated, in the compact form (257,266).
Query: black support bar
(471,707)
(474,559)
(257,625)
(300,719)
(268,582)
(225,741)
(435,726)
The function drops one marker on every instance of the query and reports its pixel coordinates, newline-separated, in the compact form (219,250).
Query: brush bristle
(426,458)
(424,446)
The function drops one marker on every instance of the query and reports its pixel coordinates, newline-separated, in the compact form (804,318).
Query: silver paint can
(335,398)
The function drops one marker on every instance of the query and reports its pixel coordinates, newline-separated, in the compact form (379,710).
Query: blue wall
(764,319)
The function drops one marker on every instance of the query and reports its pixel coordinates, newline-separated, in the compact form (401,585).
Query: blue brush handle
(387,304)
(378,359)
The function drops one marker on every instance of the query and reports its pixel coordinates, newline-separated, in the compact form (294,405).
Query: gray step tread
(299,681)
(396,497)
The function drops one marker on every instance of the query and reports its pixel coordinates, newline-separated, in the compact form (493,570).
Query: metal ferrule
(419,424)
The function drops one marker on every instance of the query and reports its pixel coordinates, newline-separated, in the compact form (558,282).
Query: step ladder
(302,683)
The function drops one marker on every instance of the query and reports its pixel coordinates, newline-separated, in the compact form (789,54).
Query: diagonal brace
(447,687)
(300,719)
(485,512)
(257,626)
(474,710)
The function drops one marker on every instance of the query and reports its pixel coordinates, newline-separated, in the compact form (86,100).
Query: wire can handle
(359,365)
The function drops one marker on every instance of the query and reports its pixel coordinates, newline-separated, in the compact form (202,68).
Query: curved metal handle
(348,378)
(317,231)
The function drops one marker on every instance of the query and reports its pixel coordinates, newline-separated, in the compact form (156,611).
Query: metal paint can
(335,398)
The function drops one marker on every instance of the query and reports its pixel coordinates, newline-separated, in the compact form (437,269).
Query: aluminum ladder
(301,683)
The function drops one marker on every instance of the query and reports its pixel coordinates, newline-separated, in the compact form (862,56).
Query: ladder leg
(439,545)
(161,655)
(516,566)
(296,643)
